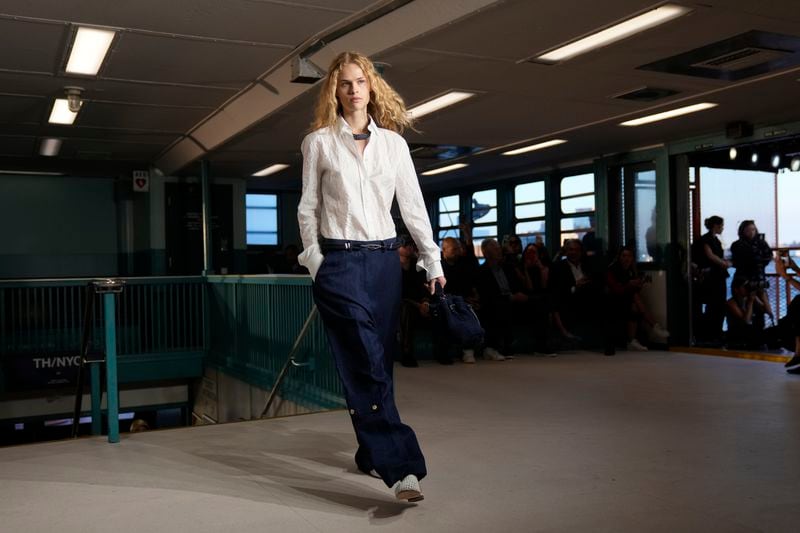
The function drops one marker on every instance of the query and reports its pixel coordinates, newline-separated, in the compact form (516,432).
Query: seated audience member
(576,293)
(460,267)
(750,255)
(499,288)
(626,307)
(535,280)
(790,324)
(512,250)
(745,313)
(414,310)
(544,254)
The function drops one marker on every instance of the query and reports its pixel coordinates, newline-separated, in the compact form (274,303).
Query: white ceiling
(176,63)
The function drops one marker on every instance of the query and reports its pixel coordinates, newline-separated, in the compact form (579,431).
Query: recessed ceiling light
(50,147)
(89,49)
(754,157)
(669,114)
(776,161)
(272,169)
(61,113)
(732,153)
(532,147)
(440,102)
(795,164)
(615,33)
(442,170)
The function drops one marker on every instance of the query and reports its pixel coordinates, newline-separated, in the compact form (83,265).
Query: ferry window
(577,206)
(529,212)
(449,217)
(262,218)
(484,218)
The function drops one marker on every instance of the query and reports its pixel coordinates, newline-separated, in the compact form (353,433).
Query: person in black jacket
(790,324)
(751,254)
(711,274)
(499,289)
(576,292)
(460,267)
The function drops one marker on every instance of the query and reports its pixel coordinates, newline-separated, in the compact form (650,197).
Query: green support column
(97,414)
(112,393)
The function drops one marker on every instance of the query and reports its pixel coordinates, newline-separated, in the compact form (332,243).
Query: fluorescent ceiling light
(50,147)
(448,168)
(61,113)
(272,169)
(88,50)
(617,32)
(669,114)
(440,102)
(532,147)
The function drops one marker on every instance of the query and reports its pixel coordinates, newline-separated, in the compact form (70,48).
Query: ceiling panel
(31,46)
(257,21)
(22,109)
(17,146)
(155,58)
(170,119)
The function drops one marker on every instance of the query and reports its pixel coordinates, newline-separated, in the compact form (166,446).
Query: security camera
(74,98)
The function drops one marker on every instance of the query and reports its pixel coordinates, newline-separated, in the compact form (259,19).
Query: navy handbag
(456,317)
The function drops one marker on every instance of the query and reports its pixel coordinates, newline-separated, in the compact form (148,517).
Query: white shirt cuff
(311,258)
(434,269)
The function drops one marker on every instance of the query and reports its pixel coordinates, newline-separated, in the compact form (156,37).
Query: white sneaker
(468,356)
(636,346)
(408,489)
(659,333)
(492,355)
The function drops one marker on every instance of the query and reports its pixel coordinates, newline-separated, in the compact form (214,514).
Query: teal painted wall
(55,226)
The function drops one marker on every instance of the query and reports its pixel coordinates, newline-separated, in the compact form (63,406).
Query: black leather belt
(329,245)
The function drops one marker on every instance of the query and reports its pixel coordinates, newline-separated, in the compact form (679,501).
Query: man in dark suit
(500,288)
(576,292)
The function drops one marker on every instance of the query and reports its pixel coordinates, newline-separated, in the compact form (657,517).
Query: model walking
(354,164)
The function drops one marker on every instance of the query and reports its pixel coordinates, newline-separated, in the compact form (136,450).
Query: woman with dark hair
(713,275)
(354,164)
(624,286)
(751,254)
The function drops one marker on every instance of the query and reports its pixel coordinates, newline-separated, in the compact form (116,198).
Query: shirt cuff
(311,258)
(433,269)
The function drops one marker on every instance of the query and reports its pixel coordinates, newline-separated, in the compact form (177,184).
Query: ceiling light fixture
(754,157)
(776,160)
(669,114)
(61,113)
(615,33)
(439,102)
(732,153)
(795,164)
(442,170)
(272,169)
(49,147)
(532,147)
(89,49)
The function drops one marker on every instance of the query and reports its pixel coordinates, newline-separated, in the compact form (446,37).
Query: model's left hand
(432,283)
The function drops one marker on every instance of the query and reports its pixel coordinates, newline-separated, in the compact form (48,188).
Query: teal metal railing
(254,322)
(168,327)
(154,315)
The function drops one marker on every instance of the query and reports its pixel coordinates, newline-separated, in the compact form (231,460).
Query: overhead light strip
(50,147)
(442,170)
(669,114)
(61,113)
(617,32)
(272,169)
(533,147)
(89,49)
(440,102)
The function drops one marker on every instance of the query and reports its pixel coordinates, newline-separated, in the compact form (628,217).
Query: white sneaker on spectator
(468,356)
(492,355)
(636,346)
(408,489)
(659,334)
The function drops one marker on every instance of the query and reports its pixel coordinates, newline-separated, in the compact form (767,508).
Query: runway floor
(638,442)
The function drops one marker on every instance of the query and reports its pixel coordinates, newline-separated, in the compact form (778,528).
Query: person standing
(355,162)
(714,286)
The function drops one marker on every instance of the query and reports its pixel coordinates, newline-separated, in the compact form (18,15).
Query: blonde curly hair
(385,105)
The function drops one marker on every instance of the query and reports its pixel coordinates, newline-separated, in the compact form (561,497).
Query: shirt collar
(344,127)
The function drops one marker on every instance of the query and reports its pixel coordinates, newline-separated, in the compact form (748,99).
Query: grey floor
(638,442)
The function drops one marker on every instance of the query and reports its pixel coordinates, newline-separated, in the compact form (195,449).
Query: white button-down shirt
(347,195)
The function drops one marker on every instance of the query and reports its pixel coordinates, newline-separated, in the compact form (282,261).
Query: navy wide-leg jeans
(357,292)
